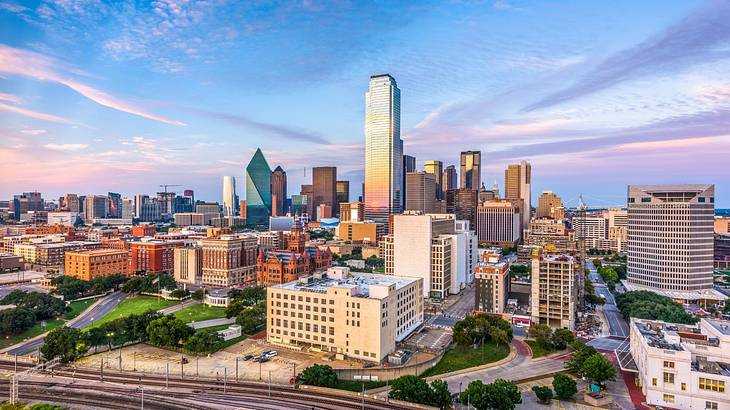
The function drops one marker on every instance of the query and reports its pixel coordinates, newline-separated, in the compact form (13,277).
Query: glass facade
(436,168)
(471,169)
(383,149)
(229,195)
(258,190)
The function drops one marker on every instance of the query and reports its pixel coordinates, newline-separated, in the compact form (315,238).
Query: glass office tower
(383,149)
(258,190)
(229,195)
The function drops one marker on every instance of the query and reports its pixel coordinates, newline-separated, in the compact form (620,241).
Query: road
(618,328)
(86,318)
(212,322)
(179,306)
(455,311)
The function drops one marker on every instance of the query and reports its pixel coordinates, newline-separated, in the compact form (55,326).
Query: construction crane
(582,249)
(167,185)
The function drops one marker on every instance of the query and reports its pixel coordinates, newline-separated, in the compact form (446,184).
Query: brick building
(87,265)
(141,231)
(228,260)
(286,266)
(154,256)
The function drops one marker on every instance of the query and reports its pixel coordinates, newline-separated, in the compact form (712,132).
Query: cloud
(501,5)
(10,98)
(66,147)
(13,8)
(699,38)
(30,64)
(35,114)
(33,131)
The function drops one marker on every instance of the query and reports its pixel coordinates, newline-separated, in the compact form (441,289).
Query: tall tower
(383,149)
(471,169)
(229,195)
(409,165)
(436,168)
(258,190)
(517,179)
(449,179)
(278,192)
(324,187)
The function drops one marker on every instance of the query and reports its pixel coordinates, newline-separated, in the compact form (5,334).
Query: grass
(31,332)
(135,305)
(356,386)
(200,312)
(75,308)
(463,358)
(539,350)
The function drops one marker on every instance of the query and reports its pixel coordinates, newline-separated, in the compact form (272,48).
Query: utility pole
(167,375)
(236,369)
(101,371)
(269,383)
(225,377)
(182,368)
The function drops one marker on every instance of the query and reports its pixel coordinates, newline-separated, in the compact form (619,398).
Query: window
(669,378)
(645,199)
(669,398)
(669,364)
(653,381)
(711,405)
(684,386)
(712,385)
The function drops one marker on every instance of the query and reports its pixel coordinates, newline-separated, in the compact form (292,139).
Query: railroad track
(216,391)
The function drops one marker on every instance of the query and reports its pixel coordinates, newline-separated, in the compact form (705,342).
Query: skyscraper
(324,186)
(139,201)
(670,237)
(258,190)
(409,165)
(343,194)
(229,195)
(549,205)
(96,206)
(278,192)
(115,205)
(471,169)
(449,179)
(517,179)
(71,203)
(383,149)
(463,204)
(420,192)
(436,168)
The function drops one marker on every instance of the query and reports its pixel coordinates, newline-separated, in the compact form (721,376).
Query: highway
(86,318)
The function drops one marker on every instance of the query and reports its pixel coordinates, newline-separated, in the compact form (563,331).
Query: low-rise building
(276,267)
(89,264)
(358,315)
(217,297)
(154,255)
(357,232)
(10,262)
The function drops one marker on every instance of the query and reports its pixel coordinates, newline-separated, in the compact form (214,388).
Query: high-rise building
(352,211)
(127,208)
(229,195)
(498,223)
(343,194)
(554,289)
(471,169)
(26,202)
(517,179)
(409,165)
(549,205)
(278,192)
(187,265)
(324,187)
(670,237)
(491,283)
(229,260)
(71,203)
(436,168)
(189,193)
(166,203)
(298,205)
(96,206)
(383,149)
(449,179)
(307,191)
(139,201)
(420,192)
(462,203)
(258,190)
(115,205)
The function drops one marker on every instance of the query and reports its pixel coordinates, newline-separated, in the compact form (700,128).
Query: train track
(230,393)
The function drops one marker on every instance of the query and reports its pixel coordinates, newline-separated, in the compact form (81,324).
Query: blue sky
(122,96)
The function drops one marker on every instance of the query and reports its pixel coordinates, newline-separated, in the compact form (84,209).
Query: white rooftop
(711,294)
(341,277)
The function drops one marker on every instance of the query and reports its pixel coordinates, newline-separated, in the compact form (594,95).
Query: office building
(590,227)
(228,260)
(229,195)
(166,203)
(91,264)
(436,168)
(281,223)
(299,205)
(188,264)
(10,262)
(359,315)
(670,237)
(409,165)
(680,366)
(722,251)
(343,194)
(140,231)
(357,231)
(153,255)
(554,289)
(549,205)
(95,206)
(420,192)
(278,192)
(485,194)
(463,204)
(24,203)
(70,203)
(139,201)
(276,267)
(449,179)
(517,180)
(127,208)
(383,150)
(471,170)
(550,232)
(491,284)
(323,211)
(498,223)
(324,188)
(190,218)
(352,211)
(258,190)
(722,224)
(66,218)
(115,205)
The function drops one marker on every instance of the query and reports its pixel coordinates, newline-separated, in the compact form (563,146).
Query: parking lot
(430,338)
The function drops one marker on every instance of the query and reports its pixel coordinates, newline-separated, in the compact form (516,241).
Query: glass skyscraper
(258,190)
(383,149)
(229,195)
(471,169)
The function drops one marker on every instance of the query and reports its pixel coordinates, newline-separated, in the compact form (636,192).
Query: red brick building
(154,256)
(285,266)
(141,231)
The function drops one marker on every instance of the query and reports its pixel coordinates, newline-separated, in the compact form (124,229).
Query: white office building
(229,195)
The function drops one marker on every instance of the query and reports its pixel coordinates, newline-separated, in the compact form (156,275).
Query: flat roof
(358,280)
(711,294)
(722,326)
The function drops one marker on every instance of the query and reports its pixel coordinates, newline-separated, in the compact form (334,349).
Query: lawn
(356,386)
(199,312)
(32,332)
(136,305)
(464,358)
(75,308)
(538,350)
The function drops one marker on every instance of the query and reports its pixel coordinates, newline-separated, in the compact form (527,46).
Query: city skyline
(127,112)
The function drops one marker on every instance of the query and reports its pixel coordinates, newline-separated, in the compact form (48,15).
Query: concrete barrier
(387,373)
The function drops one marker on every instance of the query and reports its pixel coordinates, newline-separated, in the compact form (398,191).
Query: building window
(711,405)
(712,385)
(669,378)
(653,381)
(669,364)
(669,398)
(684,386)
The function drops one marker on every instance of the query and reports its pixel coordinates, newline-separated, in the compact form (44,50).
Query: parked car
(248,357)
(270,354)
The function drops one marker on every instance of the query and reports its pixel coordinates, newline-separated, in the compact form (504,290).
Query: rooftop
(320,282)
(710,294)
(101,251)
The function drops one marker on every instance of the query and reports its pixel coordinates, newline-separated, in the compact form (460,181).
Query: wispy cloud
(30,64)
(66,147)
(10,98)
(35,114)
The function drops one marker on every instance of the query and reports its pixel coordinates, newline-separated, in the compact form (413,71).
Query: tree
(499,395)
(168,331)
(598,369)
(649,305)
(561,338)
(410,388)
(15,321)
(179,293)
(198,294)
(96,336)
(441,396)
(318,375)
(542,334)
(204,341)
(498,336)
(64,342)
(248,296)
(481,327)
(252,319)
(519,270)
(565,387)
(582,353)
(543,393)
(43,305)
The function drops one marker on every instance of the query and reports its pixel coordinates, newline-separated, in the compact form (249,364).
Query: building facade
(420,192)
(229,195)
(188,263)
(463,203)
(90,264)
(409,165)
(471,170)
(550,206)
(435,168)
(324,188)
(278,192)
(357,232)
(352,211)
(498,223)
(258,190)
(517,182)
(276,267)
(153,256)
(554,290)
(491,284)
(228,260)
(343,194)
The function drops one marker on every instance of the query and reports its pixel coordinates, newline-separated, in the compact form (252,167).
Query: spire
(262,255)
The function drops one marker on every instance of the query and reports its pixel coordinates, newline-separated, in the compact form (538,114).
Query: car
(248,357)
(263,359)
(270,354)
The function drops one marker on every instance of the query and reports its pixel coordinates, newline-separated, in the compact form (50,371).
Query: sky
(126,95)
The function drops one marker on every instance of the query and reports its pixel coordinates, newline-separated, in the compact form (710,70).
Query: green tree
(96,336)
(411,388)
(168,331)
(564,385)
(561,338)
(179,293)
(204,341)
(499,395)
(198,294)
(598,369)
(16,320)
(318,375)
(252,319)
(441,396)
(64,342)
(542,334)
(649,305)
(581,354)
(544,394)
(43,305)
(248,296)
(481,327)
